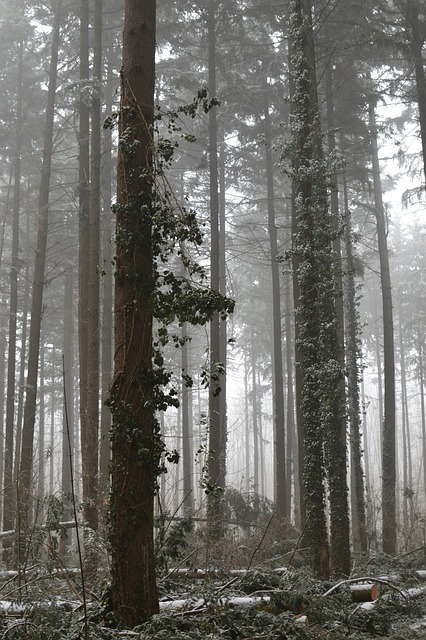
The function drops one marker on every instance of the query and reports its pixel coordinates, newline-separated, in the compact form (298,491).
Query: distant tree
(27,449)
(8,491)
(389,421)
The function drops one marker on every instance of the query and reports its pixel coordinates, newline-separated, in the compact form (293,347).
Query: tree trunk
(42,458)
(277,354)
(107,289)
(389,427)
(83,256)
(416,39)
(68,405)
(135,440)
(292,465)
(422,407)
(90,436)
(26,462)
(247,423)
(324,450)
(187,435)
(217,434)
(255,414)
(8,485)
(359,537)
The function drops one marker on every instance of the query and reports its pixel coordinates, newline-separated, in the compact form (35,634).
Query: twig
(257,547)
(74,504)
(171,572)
(299,539)
(408,553)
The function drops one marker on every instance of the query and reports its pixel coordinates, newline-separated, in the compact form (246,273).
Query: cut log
(364,592)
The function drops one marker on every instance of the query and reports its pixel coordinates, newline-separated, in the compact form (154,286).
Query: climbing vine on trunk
(153,233)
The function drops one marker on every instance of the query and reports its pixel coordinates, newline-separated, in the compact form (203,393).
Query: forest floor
(257,604)
(268,599)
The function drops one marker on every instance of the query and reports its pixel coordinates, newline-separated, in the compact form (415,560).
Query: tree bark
(107,288)
(68,405)
(90,436)
(359,537)
(8,485)
(135,440)
(389,426)
(324,450)
(217,431)
(83,255)
(277,355)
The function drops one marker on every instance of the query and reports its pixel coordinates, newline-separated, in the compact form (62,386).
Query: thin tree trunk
(292,461)
(68,405)
(422,408)
(277,357)
(188,498)
(8,485)
(389,426)
(255,414)
(42,458)
(22,366)
(90,436)
(84,238)
(52,432)
(217,439)
(26,462)
(359,536)
(247,423)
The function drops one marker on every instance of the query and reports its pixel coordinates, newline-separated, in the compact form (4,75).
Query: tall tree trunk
(247,423)
(52,432)
(277,357)
(90,436)
(22,366)
(422,406)
(68,405)
(26,462)
(217,434)
(292,466)
(223,334)
(255,415)
(135,445)
(42,457)
(389,426)
(83,255)
(8,485)
(107,287)
(359,536)
(324,450)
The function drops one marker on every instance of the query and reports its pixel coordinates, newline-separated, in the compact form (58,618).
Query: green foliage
(171,541)
(247,508)
(178,292)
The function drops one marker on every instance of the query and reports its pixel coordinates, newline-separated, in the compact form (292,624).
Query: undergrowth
(247,588)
